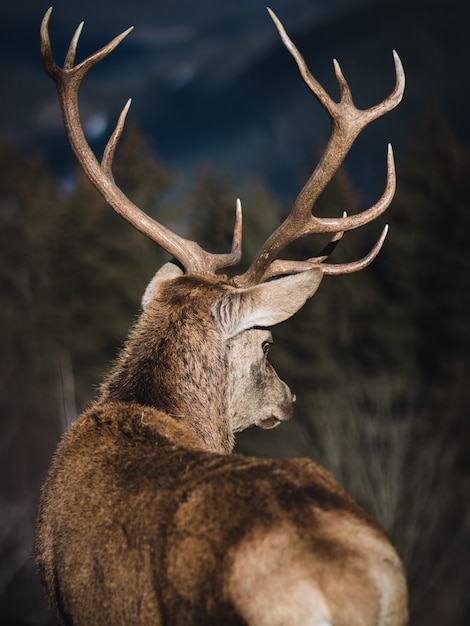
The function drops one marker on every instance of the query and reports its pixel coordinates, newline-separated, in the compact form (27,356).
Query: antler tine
(108,154)
(310,80)
(281,267)
(335,269)
(347,122)
(72,51)
(68,79)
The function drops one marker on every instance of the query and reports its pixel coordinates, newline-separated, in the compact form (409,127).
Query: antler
(347,123)
(68,80)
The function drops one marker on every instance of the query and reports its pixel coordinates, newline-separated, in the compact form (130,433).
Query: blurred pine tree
(429,263)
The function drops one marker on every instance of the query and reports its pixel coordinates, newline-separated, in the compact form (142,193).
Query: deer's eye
(266,345)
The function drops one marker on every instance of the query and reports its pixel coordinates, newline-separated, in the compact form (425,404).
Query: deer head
(201,348)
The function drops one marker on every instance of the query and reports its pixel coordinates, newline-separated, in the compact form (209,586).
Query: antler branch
(347,122)
(68,80)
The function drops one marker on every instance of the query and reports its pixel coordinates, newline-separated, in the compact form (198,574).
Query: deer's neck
(179,369)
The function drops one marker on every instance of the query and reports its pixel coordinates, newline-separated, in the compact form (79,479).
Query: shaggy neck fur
(173,361)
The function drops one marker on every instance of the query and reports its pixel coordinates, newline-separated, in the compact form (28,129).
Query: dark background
(212,81)
(219,100)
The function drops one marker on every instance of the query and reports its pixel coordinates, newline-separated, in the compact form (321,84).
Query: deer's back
(134,509)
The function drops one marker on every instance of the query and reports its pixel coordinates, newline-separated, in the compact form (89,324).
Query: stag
(146,516)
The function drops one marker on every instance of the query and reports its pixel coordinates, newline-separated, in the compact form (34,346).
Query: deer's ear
(166,272)
(268,303)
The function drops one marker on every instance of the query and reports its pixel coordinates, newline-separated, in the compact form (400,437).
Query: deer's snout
(282,411)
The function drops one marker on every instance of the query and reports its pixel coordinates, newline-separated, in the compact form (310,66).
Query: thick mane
(174,359)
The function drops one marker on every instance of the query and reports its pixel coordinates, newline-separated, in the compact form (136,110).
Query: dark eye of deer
(266,345)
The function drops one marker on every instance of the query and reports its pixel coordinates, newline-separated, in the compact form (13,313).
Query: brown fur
(178,369)
(146,519)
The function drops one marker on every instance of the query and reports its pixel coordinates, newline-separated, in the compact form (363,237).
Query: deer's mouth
(270,422)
